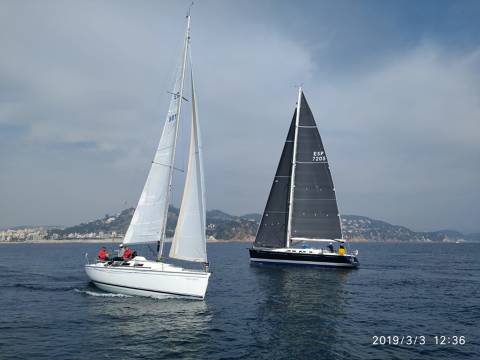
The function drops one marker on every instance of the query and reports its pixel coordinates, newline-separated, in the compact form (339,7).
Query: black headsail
(273,227)
(314,209)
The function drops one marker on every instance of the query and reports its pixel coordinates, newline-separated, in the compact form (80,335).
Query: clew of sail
(148,220)
(189,241)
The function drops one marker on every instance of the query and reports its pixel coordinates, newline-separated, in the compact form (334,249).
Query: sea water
(49,310)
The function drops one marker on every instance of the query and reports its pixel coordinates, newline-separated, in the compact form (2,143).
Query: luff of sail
(272,231)
(148,219)
(314,211)
(189,241)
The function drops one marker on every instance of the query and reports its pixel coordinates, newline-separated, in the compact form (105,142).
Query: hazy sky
(394,87)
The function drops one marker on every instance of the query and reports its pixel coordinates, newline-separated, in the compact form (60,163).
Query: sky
(394,87)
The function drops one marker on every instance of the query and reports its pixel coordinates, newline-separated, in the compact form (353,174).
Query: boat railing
(86,259)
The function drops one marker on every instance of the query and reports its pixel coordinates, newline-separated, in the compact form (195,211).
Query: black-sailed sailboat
(302,207)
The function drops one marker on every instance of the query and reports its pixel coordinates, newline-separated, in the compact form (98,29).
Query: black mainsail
(313,212)
(273,227)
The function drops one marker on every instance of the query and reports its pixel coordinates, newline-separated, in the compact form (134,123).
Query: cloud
(92,85)
(83,99)
(406,137)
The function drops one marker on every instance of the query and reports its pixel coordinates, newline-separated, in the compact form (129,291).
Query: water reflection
(299,303)
(149,327)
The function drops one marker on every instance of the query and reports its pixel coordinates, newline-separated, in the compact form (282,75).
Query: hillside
(221,225)
(361,228)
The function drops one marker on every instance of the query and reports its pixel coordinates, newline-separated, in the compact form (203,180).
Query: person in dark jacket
(331,248)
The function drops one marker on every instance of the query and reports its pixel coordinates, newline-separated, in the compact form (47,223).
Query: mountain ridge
(224,226)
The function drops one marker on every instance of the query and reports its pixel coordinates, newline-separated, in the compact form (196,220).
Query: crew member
(341,250)
(103,254)
(127,253)
(121,251)
(330,247)
(120,254)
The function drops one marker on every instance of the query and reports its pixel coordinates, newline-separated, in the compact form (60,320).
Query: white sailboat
(140,276)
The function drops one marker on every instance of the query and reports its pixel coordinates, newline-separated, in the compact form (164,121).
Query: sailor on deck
(127,253)
(121,253)
(330,247)
(103,254)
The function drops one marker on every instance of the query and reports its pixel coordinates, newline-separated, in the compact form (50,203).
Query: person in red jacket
(127,254)
(102,254)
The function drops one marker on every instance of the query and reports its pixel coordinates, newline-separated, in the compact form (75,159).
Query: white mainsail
(147,221)
(150,217)
(189,241)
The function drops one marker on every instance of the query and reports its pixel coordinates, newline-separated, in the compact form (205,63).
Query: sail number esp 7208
(319,156)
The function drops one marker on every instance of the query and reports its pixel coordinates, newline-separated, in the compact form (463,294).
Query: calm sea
(50,311)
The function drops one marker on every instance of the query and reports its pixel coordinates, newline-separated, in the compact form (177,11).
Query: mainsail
(312,212)
(147,221)
(150,216)
(314,209)
(273,227)
(189,241)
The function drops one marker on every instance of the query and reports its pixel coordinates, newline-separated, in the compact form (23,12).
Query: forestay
(189,241)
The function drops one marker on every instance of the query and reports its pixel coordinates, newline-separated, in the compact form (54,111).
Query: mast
(292,179)
(179,106)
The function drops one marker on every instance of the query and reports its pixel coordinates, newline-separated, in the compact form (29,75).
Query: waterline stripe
(155,291)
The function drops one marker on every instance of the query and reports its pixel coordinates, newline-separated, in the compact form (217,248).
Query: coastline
(104,241)
(210,241)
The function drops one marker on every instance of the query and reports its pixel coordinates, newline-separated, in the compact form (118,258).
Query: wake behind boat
(140,276)
(302,207)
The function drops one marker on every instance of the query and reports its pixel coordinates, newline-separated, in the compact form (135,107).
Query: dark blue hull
(303,258)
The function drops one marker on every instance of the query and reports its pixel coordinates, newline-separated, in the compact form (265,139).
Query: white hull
(149,278)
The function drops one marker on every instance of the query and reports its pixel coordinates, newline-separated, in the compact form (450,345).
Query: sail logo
(172,118)
(319,156)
